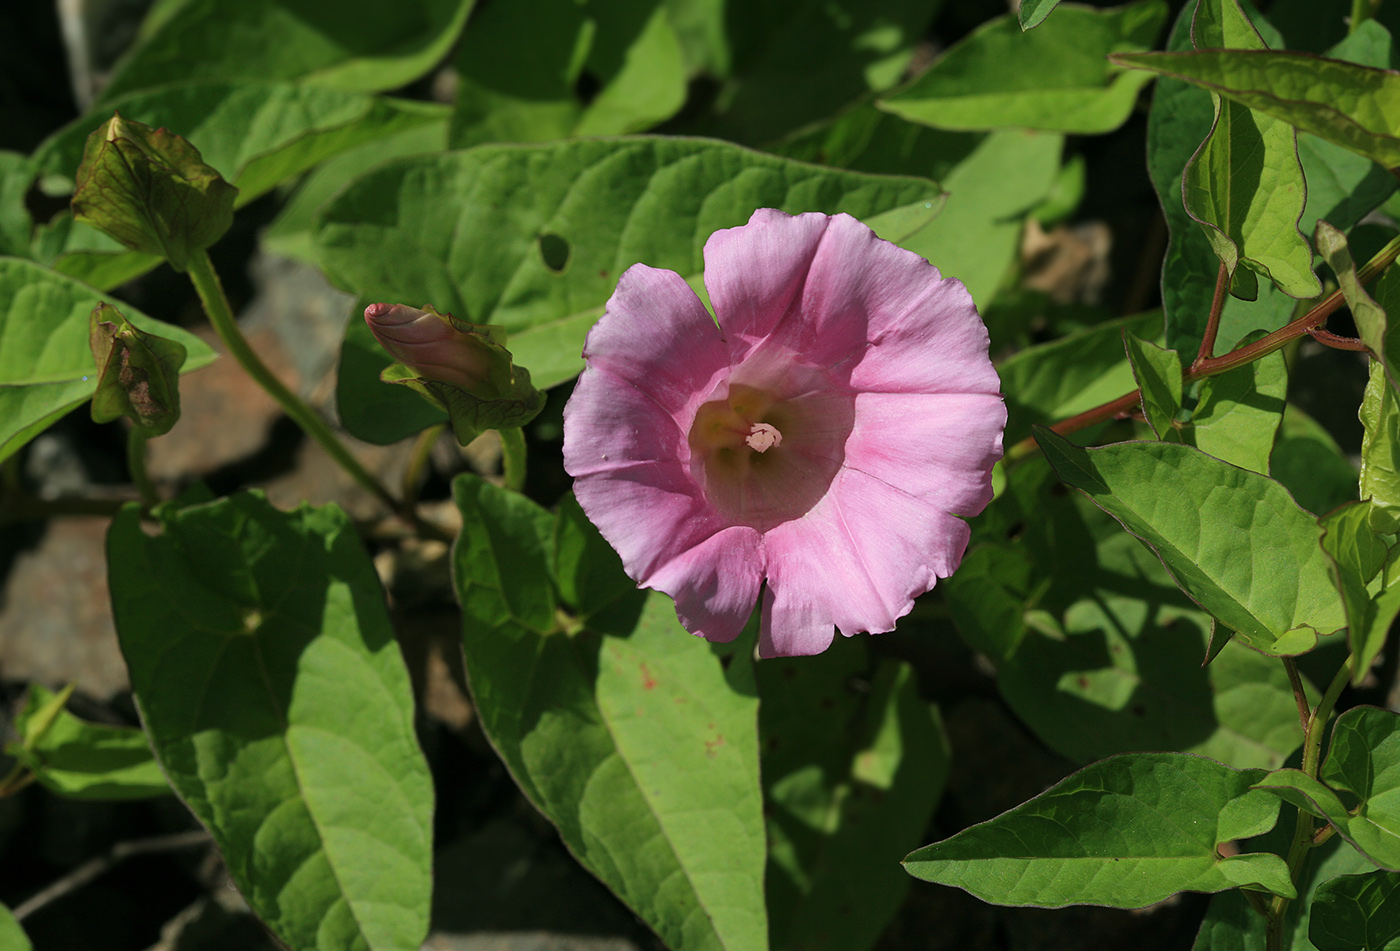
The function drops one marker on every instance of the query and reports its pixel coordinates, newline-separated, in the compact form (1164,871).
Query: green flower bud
(149,189)
(138,373)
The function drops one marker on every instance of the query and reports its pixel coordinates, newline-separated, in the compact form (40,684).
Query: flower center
(763,437)
(763,460)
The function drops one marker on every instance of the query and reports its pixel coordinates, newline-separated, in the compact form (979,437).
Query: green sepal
(138,374)
(150,190)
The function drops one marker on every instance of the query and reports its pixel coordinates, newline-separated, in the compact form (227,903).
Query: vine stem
(513,458)
(211,293)
(1302,843)
(1217,304)
(1213,366)
(136,465)
(418,462)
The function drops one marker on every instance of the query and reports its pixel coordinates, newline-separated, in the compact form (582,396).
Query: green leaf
(1238,412)
(1109,657)
(367,407)
(1342,102)
(1032,13)
(465,231)
(12,936)
(988,597)
(311,41)
(1378,843)
(1380,451)
(1123,672)
(83,760)
(1125,832)
(1245,184)
(1309,463)
(852,776)
(1180,119)
(1191,510)
(1056,380)
(290,234)
(642,749)
(46,366)
(1357,913)
(520,64)
(1363,759)
(1231,924)
(150,190)
(589,573)
(1343,186)
(792,63)
(1369,316)
(1358,558)
(15,221)
(1158,374)
(245,630)
(977,236)
(256,133)
(1053,78)
(994,181)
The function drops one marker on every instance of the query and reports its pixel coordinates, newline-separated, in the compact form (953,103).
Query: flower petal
(656,335)
(715,584)
(651,513)
(792,627)
(754,273)
(938,448)
(858,559)
(920,332)
(611,424)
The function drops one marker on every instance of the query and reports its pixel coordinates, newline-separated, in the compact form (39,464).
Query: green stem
(418,461)
(136,465)
(211,293)
(513,458)
(1303,832)
(1361,11)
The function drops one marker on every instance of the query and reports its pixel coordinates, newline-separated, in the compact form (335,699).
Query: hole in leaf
(555,251)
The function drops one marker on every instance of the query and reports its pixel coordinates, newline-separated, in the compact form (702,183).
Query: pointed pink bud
(434,346)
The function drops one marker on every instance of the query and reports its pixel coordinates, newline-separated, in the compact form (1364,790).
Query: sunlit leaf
(1191,510)
(1053,78)
(467,231)
(637,744)
(1245,184)
(248,633)
(1101,837)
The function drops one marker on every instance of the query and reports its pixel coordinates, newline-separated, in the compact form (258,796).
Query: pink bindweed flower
(433,345)
(818,444)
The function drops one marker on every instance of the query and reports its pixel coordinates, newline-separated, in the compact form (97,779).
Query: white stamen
(763,437)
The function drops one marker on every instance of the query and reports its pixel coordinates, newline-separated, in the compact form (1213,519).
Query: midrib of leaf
(660,825)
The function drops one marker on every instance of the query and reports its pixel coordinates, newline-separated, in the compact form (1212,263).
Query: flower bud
(137,373)
(463,368)
(433,346)
(150,190)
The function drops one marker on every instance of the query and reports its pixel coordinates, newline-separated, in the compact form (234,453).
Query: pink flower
(818,444)
(433,345)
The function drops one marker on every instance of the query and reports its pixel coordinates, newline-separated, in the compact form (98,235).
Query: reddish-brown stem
(1202,368)
(1328,339)
(1217,304)
(1205,366)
